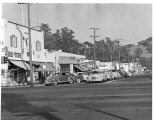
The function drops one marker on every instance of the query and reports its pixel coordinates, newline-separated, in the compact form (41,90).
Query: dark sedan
(62,77)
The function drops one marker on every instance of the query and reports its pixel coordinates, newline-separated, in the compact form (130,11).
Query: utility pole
(128,61)
(117,42)
(30,47)
(119,53)
(94,45)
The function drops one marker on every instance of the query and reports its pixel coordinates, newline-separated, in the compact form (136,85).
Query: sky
(128,22)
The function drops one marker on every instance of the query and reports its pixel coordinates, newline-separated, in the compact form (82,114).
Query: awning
(78,67)
(21,64)
(84,68)
(49,67)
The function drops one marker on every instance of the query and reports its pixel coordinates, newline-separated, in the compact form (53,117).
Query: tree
(88,49)
(45,28)
(147,43)
(112,45)
(48,37)
(101,49)
(138,52)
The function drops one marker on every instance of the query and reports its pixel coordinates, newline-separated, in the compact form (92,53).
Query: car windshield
(96,72)
(80,73)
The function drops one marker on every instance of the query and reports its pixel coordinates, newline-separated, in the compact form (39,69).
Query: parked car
(58,78)
(110,75)
(125,74)
(129,73)
(116,74)
(97,76)
(83,76)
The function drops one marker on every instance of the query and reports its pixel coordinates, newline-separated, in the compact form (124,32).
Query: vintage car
(61,77)
(97,76)
(123,74)
(109,73)
(116,74)
(82,76)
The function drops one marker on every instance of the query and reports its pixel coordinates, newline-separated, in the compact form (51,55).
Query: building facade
(63,61)
(16,50)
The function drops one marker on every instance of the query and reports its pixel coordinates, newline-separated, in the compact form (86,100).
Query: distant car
(97,76)
(110,75)
(82,76)
(62,77)
(125,74)
(116,74)
(129,73)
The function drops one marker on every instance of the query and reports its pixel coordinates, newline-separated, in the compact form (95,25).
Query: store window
(13,41)
(38,46)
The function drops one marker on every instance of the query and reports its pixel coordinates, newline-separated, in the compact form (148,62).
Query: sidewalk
(21,86)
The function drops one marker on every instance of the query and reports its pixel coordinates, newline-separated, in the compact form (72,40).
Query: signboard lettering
(67,60)
(15,54)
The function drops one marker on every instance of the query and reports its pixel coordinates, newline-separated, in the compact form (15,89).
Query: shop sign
(67,60)
(14,54)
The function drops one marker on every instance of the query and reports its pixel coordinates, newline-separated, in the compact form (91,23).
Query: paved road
(125,99)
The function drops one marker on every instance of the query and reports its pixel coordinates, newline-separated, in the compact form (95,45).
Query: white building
(63,61)
(16,49)
(129,67)
(107,65)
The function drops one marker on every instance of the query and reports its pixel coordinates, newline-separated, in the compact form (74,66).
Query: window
(13,41)
(38,46)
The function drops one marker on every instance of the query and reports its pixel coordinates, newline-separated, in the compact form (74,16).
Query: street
(123,99)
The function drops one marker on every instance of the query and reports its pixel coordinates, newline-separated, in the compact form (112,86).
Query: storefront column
(71,68)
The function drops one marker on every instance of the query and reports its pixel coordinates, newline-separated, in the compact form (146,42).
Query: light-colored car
(110,75)
(97,76)
(116,74)
(83,76)
(129,73)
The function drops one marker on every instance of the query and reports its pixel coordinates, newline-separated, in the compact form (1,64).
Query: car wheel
(55,82)
(78,80)
(71,80)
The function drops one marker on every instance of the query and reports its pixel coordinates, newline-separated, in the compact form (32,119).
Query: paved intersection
(125,99)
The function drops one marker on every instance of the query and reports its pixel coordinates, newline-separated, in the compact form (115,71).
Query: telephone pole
(30,47)
(119,52)
(94,45)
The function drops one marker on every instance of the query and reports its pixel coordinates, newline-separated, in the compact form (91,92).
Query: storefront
(66,63)
(42,70)
(16,50)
